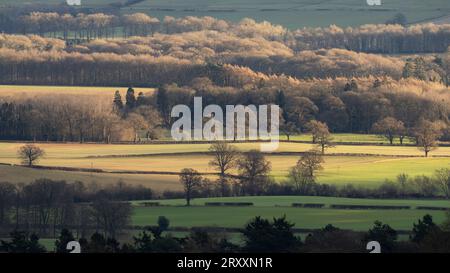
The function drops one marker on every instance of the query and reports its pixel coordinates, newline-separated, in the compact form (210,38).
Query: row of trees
(260,236)
(302,180)
(387,39)
(362,106)
(343,107)
(390,38)
(253,173)
(178,58)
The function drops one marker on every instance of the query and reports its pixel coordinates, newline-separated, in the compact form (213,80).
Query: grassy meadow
(276,206)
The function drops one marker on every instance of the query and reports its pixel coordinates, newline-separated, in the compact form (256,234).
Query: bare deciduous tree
(442,178)
(224,158)
(311,161)
(29,154)
(191,180)
(320,134)
(390,128)
(111,216)
(427,133)
(253,170)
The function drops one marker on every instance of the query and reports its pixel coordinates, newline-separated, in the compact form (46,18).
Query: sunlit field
(29,91)
(76,150)
(361,166)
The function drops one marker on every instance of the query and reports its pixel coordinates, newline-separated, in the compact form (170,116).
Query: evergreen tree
(280,100)
(140,99)
(64,238)
(130,99)
(162,101)
(22,242)
(261,235)
(422,228)
(383,234)
(117,102)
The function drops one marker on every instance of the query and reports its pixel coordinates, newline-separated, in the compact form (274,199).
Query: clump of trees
(390,128)
(45,206)
(79,119)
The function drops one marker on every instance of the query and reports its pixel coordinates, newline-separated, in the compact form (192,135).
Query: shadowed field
(277,206)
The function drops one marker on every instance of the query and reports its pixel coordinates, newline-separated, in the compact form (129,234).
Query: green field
(362,220)
(284,201)
(290,13)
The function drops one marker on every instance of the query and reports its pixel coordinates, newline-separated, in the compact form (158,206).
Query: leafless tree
(224,158)
(427,133)
(253,170)
(30,154)
(191,180)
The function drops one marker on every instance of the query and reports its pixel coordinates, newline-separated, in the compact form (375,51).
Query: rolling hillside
(290,13)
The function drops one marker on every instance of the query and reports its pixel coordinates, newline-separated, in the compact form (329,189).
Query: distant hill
(290,13)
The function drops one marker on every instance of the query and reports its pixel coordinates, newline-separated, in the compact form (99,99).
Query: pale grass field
(76,150)
(159,183)
(29,91)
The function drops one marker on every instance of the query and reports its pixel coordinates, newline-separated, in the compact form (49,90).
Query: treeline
(46,206)
(404,186)
(76,118)
(259,235)
(165,59)
(178,58)
(388,39)
(364,105)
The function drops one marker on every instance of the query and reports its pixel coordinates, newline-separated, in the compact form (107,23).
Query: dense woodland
(391,39)
(180,57)
(225,63)
(344,105)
